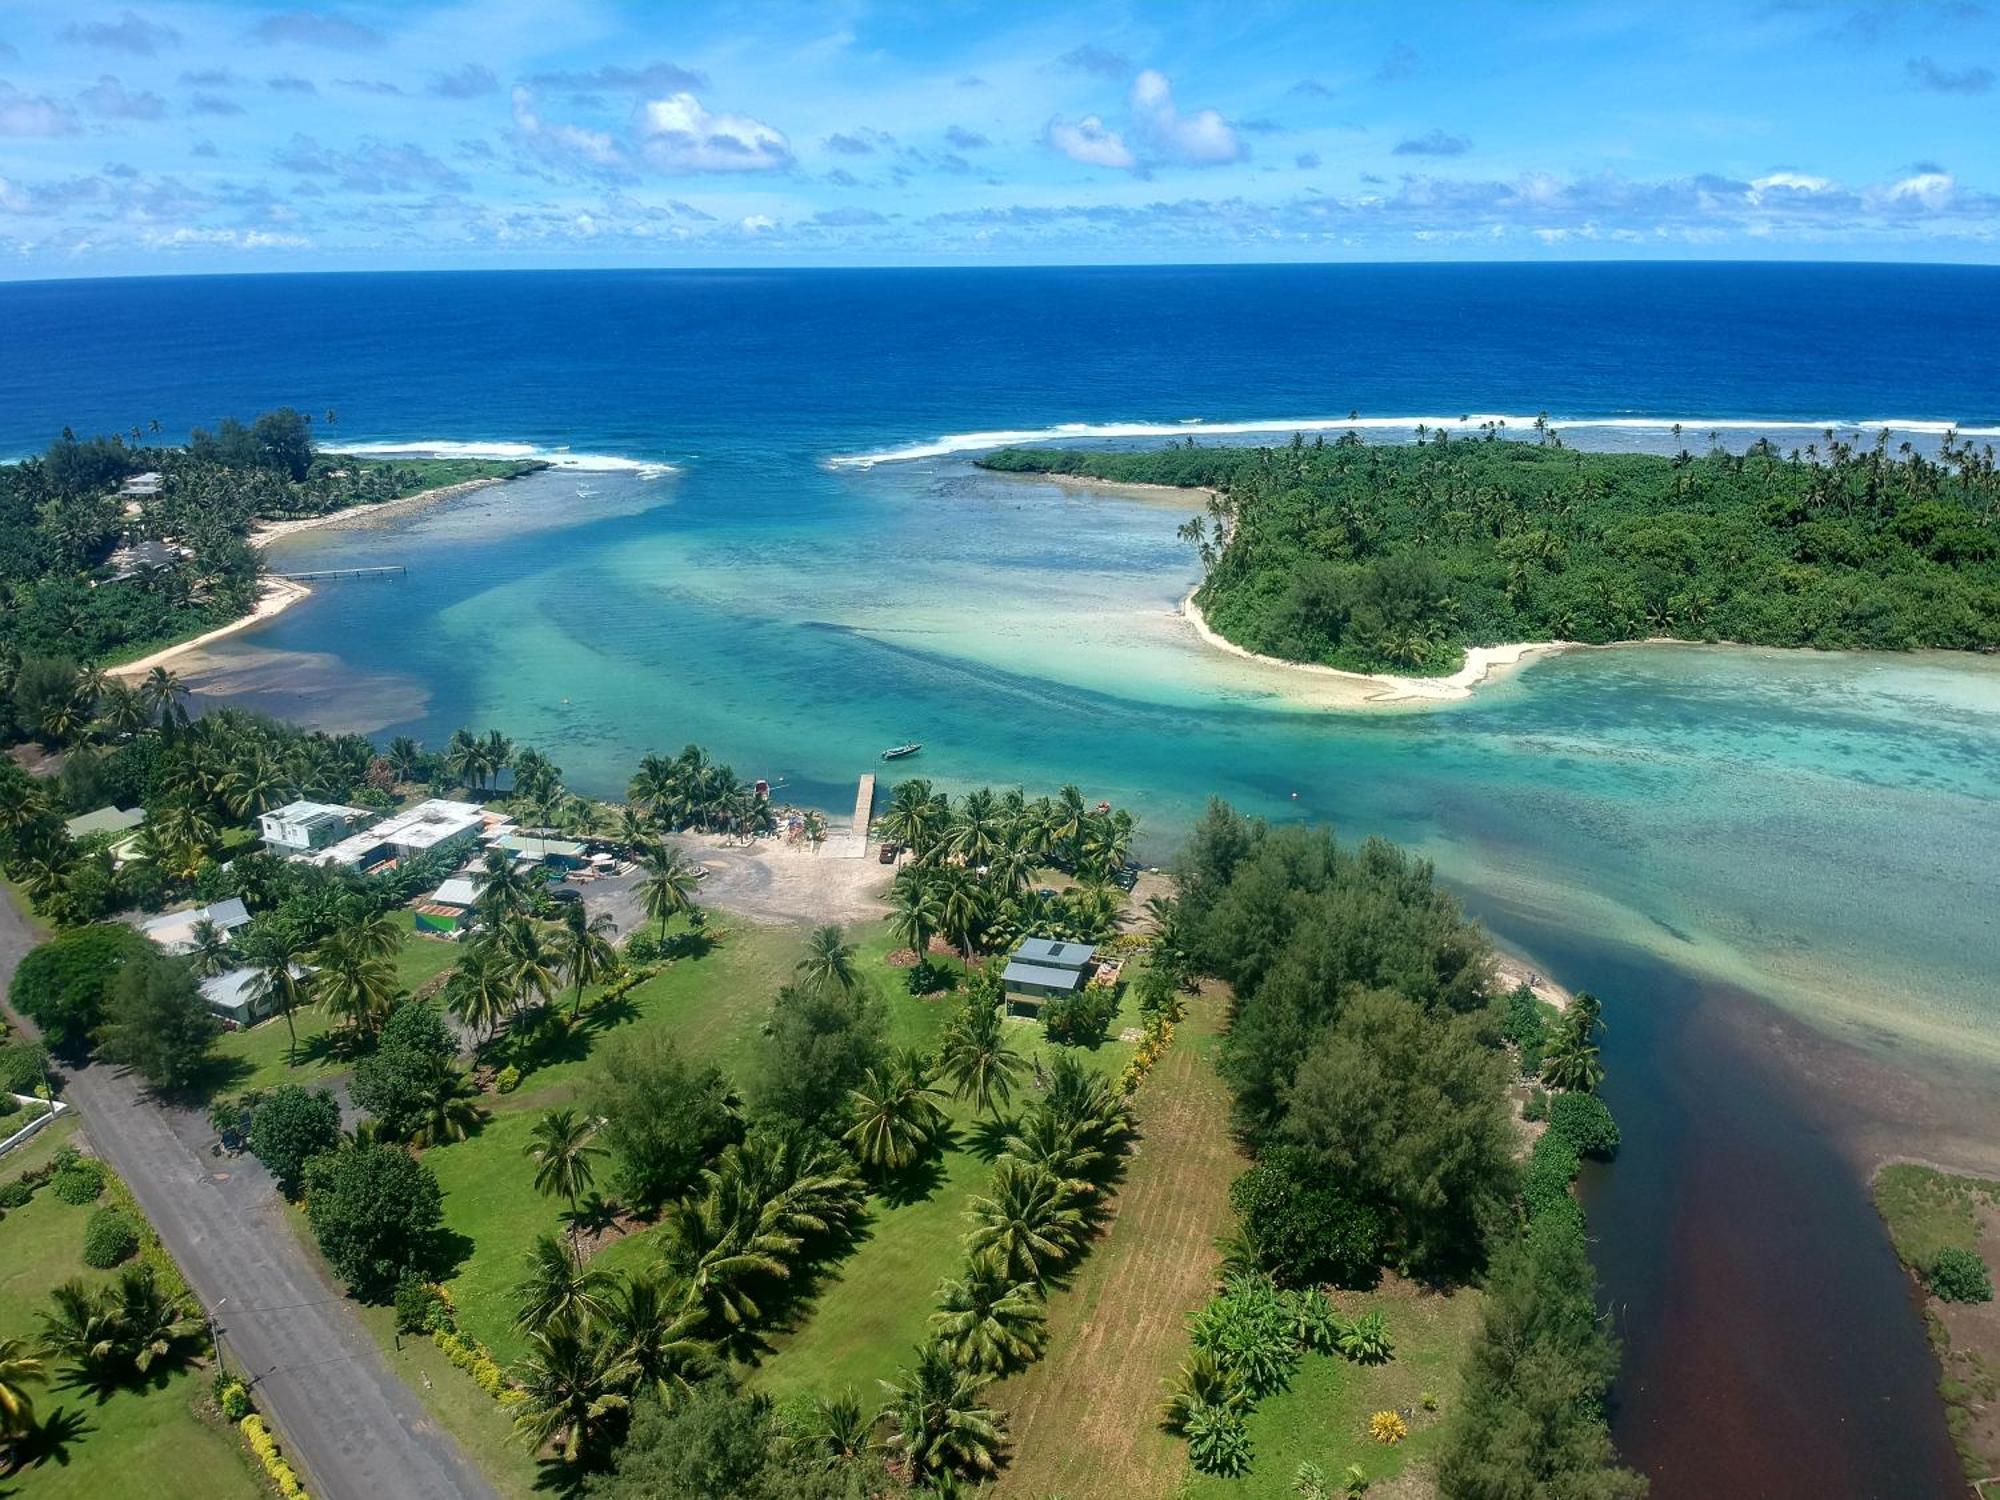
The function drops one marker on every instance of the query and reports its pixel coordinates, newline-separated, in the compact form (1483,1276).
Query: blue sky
(169,137)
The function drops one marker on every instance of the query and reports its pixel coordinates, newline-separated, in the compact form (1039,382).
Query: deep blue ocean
(764,534)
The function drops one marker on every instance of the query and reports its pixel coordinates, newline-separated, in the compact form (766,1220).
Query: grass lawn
(1082,1418)
(154,1435)
(1928,1211)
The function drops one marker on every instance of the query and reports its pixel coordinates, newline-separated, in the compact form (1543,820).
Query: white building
(298,827)
(434,825)
(235,996)
(174,931)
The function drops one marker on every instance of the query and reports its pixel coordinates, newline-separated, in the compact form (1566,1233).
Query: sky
(164,137)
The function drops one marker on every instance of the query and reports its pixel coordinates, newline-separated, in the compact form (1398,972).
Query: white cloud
(33,114)
(1201,139)
(1157,133)
(756,223)
(1090,142)
(108,97)
(596,148)
(676,134)
(1932,190)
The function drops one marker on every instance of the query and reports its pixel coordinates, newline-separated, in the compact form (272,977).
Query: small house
(555,854)
(236,997)
(1043,969)
(174,930)
(110,821)
(448,910)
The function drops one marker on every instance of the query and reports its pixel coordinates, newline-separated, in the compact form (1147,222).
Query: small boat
(899,751)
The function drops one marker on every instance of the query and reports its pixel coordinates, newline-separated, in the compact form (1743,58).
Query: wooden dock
(853,844)
(311,575)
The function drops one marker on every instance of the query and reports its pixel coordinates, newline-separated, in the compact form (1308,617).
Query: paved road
(347,1422)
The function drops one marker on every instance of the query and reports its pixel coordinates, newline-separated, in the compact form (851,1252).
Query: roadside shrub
(642,948)
(15,1194)
(283,1476)
(1584,1120)
(233,1399)
(77,1181)
(23,1066)
(109,1236)
(290,1128)
(1960,1276)
(9,1105)
(419,1306)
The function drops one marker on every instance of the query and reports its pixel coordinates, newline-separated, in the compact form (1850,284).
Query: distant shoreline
(280,594)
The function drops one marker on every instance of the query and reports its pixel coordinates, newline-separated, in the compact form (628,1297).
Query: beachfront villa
(434,826)
(300,827)
(174,931)
(1043,969)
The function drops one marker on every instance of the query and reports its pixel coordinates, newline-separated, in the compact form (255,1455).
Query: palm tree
(916,916)
(449,1108)
(961,906)
(910,819)
(976,832)
(123,708)
(559,1288)
(519,942)
(560,1147)
(1044,1139)
(895,1116)
(655,1330)
(150,1322)
(19,1368)
(988,1322)
(837,1429)
(939,1425)
(1025,1220)
(253,784)
(209,951)
(572,1389)
(1572,1060)
(79,1328)
(828,963)
(975,1056)
(461,758)
(355,984)
(163,692)
(277,953)
(667,890)
(480,992)
(717,1244)
(502,890)
(405,757)
(584,952)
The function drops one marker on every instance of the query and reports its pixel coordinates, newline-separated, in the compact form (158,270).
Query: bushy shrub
(234,1400)
(1218,1441)
(1960,1276)
(109,1236)
(9,1105)
(507,1079)
(1537,1107)
(1303,1228)
(77,1181)
(291,1127)
(1082,1019)
(1584,1120)
(419,1306)
(1524,1026)
(1248,1328)
(15,1194)
(1552,1166)
(641,948)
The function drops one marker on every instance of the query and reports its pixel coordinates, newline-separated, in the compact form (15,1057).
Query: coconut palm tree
(123,709)
(1044,1139)
(254,784)
(209,950)
(461,758)
(480,992)
(837,1428)
(405,757)
(895,1113)
(938,1425)
(559,1287)
(1026,1221)
(560,1147)
(151,1322)
(583,951)
(916,915)
(449,1109)
(1572,1060)
(961,906)
(277,952)
(667,891)
(503,890)
(717,1245)
(20,1367)
(164,694)
(519,941)
(656,1332)
(911,819)
(573,1385)
(987,1321)
(977,831)
(975,1056)
(356,985)
(828,963)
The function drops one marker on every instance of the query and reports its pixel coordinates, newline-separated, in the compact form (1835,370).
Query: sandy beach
(1381,689)
(268,532)
(279,595)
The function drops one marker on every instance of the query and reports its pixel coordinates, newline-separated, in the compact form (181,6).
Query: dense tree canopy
(157,1023)
(663,1115)
(1397,558)
(375,1211)
(64,985)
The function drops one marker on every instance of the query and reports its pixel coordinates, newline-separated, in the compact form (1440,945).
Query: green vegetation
(1397,558)
(68,588)
(1946,1229)
(1369,1063)
(75,1414)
